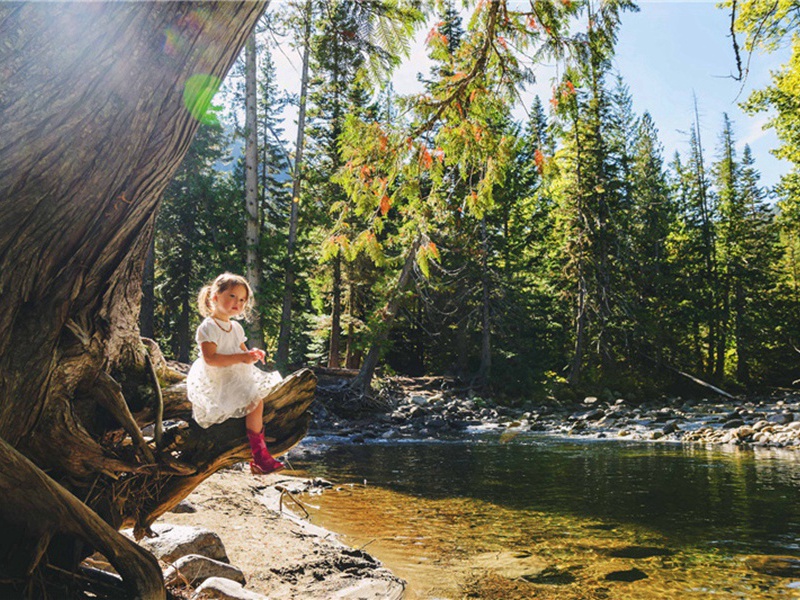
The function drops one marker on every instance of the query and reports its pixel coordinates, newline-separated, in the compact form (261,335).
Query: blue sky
(666,53)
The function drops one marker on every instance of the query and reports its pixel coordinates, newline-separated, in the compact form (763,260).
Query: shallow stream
(531,516)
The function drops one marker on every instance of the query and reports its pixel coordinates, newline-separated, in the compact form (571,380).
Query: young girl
(224,382)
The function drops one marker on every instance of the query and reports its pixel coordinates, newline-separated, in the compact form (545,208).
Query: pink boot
(263,462)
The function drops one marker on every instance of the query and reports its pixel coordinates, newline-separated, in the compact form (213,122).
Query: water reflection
(437,512)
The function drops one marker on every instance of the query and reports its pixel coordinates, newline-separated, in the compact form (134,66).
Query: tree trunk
(99,104)
(364,378)
(742,349)
(486,334)
(282,355)
(336,314)
(147,312)
(253,228)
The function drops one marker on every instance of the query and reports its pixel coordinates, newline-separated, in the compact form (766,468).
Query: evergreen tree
(194,231)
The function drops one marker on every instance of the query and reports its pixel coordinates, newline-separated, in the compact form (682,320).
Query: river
(532,516)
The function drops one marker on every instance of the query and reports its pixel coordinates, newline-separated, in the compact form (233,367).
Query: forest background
(435,234)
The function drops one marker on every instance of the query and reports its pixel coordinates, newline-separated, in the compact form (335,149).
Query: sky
(668,53)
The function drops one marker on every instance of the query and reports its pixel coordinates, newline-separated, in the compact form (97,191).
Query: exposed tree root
(40,507)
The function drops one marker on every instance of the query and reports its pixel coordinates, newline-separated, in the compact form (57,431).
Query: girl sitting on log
(224,382)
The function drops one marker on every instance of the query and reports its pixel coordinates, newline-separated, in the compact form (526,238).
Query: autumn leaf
(425,158)
(386,204)
(538,158)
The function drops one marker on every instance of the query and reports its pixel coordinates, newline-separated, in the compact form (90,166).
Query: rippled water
(538,517)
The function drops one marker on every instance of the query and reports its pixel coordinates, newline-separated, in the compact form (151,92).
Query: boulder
(195,568)
(219,588)
(174,541)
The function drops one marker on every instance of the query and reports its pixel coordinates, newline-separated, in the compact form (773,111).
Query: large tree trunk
(147,312)
(99,102)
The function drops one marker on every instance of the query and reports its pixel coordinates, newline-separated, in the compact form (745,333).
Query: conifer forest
(439,234)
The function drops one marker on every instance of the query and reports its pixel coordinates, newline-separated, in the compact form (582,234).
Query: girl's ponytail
(204,301)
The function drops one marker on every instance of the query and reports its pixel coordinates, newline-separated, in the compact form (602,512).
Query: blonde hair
(226,281)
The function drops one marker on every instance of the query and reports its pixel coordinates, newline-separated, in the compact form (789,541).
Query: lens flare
(198,93)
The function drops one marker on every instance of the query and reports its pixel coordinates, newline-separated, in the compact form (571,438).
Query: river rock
(419,400)
(513,565)
(781,418)
(670,427)
(593,415)
(778,566)
(628,575)
(174,541)
(219,588)
(640,552)
(195,569)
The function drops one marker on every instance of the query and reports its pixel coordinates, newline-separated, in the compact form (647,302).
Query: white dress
(221,393)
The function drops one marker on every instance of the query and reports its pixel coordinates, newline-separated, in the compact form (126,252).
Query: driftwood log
(99,102)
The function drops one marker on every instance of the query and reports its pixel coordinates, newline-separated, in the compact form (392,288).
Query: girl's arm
(258,352)
(214,359)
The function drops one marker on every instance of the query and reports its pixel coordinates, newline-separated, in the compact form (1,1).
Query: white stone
(174,541)
(372,589)
(195,568)
(219,588)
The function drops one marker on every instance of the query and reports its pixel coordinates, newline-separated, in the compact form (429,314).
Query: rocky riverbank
(762,422)
(238,537)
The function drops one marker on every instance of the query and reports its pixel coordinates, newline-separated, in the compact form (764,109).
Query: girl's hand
(248,357)
(258,355)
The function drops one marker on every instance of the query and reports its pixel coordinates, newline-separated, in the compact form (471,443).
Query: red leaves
(538,159)
(386,204)
(435,34)
(425,158)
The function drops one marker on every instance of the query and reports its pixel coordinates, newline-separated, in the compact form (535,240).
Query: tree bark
(147,312)
(282,354)
(99,104)
(336,315)
(253,225)
(363,380)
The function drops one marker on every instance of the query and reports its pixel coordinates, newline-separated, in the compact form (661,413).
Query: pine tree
(189,240)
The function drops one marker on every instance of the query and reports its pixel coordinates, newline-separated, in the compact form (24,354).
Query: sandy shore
(281,555)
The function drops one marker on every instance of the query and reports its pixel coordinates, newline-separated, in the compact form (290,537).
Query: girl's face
(230,302)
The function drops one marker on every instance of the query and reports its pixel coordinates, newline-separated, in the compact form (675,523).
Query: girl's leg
(253,420)
(263,462)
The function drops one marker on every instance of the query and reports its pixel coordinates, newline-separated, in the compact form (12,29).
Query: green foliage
(551,257)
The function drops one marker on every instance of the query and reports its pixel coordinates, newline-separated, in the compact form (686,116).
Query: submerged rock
(778,566)
(627,576)
(513,565)
(640,552)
